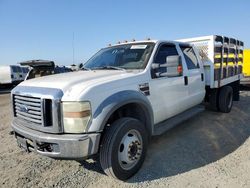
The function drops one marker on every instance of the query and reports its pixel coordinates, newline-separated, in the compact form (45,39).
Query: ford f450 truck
(123,95)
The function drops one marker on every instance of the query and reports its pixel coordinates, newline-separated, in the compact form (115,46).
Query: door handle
(202,77)
(185,80)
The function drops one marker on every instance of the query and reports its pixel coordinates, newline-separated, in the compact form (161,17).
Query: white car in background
(12,74)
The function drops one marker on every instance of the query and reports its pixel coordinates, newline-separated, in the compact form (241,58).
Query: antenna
(73,47)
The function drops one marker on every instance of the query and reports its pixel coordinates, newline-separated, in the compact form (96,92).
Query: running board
(164,126)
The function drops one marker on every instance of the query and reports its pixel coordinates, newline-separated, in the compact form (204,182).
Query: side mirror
(173,61)
(173,67)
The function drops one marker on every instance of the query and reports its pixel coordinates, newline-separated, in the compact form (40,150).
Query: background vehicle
(125,94)
(25,71)
(39,68)
(12,74)
(246,68)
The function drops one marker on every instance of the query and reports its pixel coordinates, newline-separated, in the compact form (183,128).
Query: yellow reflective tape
(240,55)
(230,64)
(225,56)
(216,65)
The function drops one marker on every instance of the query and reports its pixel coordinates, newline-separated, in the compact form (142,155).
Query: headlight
(76,116)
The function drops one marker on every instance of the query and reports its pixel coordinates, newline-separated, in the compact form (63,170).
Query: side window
(164,51)
(19,69)
(14,69)
(160,58)
(190,57)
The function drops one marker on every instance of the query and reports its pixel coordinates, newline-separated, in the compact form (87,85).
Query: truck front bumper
(60,146)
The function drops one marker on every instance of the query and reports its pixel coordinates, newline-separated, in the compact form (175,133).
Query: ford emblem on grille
(24,108)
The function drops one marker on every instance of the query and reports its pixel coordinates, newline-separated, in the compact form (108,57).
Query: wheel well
(133,110)
(235,86)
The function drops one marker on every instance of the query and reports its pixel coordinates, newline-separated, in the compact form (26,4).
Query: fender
(114,102)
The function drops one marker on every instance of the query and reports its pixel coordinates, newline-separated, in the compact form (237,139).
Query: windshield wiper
(109,67)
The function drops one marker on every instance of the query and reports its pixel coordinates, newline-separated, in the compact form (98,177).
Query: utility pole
(73,47)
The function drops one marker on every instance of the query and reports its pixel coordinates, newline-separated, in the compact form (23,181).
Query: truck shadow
(195,143)
(92,165)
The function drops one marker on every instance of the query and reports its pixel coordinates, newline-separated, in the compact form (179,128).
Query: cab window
(14,69)
(160,58)
(190,57)
(19,69)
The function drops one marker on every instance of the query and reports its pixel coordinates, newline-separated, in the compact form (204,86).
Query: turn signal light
(179,69)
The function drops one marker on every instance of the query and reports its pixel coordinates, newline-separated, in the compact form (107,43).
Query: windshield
(127,56)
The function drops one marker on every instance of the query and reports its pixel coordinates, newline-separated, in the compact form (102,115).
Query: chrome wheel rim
(130,149)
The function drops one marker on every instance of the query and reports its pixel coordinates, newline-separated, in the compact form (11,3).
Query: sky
(51,29)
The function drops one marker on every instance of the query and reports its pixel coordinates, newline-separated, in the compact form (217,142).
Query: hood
(66,81)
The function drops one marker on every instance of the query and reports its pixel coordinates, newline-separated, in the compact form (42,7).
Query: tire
(213,100)
(119,143)
(236,91)
(226,99)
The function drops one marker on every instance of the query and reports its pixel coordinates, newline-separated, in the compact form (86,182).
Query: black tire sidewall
(127,125)
(223,99)
(231,101)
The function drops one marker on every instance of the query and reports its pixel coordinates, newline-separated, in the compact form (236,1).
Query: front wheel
(123,148)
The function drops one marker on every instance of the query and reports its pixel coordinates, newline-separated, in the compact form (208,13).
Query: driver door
(168,95)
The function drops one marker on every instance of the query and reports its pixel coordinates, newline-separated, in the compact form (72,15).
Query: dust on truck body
(123,95)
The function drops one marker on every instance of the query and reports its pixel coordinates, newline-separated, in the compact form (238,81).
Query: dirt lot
(210,150)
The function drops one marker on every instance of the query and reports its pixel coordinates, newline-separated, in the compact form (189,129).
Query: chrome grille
(28,108)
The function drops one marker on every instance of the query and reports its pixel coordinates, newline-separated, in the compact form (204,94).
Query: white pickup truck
(123,95)
(12,74)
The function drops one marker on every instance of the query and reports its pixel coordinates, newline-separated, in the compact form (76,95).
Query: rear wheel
(226,99)
(123,148)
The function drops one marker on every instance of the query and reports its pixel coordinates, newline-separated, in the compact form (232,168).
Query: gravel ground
(210,150)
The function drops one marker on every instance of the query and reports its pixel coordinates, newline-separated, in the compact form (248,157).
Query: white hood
(82,79)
